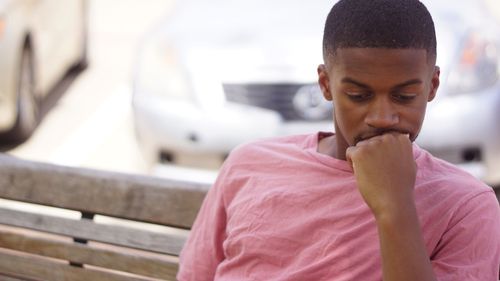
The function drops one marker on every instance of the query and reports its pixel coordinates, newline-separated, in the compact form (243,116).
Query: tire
(28,108)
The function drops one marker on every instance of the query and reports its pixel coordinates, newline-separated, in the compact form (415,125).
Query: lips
(372,134)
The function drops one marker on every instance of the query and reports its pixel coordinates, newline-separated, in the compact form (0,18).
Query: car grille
(282,99)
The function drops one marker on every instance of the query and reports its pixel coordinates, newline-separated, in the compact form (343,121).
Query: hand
(385,171)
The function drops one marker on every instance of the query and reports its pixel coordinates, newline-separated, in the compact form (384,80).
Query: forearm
(403,251)
(385,171)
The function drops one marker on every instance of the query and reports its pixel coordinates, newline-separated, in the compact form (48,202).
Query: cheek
(348,112)
(412,119)
(416,113)
(347,119)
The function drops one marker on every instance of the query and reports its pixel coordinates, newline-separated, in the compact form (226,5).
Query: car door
(58,26)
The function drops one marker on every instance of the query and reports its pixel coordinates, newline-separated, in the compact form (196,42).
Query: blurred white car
(462,124)
(40,40)
(219,73)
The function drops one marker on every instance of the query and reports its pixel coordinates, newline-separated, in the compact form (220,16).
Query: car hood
(295,61)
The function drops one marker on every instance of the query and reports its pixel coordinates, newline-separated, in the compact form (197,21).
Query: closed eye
(358,96)
(404,97)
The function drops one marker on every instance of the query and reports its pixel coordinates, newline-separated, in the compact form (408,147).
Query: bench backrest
(113,226)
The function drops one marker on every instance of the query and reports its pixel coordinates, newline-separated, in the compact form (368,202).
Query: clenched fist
(385,171)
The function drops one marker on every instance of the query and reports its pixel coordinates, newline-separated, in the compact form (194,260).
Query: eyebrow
(365,86)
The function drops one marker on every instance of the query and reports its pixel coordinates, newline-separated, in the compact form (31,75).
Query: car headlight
(477,65)
(160,73)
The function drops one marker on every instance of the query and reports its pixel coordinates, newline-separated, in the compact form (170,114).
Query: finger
(405,138)
(348,155)
(369,141)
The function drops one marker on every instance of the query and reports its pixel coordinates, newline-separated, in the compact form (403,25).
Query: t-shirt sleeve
(470,248)
(203,250)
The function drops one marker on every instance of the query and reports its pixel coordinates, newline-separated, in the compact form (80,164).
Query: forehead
(377,62)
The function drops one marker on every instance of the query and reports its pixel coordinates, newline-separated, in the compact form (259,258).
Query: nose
(382,114)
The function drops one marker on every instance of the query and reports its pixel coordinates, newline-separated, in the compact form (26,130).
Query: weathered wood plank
(173,203)
(32,267)
(8,278)
(146,265)
(168,243)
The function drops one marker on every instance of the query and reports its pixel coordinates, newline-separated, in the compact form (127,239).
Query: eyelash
(405,98)
(360,97)
(354,96)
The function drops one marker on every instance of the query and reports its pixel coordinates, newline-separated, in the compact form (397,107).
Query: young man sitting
(365,202)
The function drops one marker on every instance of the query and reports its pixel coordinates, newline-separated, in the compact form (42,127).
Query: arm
(385,172)
(403,251)
(203,250)
(469,249)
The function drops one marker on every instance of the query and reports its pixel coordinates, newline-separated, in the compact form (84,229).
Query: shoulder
(455,207)
(447,194)
(445,189)
(256,161)
(444,175)
(264,156)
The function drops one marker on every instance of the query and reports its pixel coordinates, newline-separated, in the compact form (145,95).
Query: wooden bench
(107,226)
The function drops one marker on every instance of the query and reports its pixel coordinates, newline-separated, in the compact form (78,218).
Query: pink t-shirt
(280,210)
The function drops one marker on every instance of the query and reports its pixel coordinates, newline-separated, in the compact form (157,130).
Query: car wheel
(28,109)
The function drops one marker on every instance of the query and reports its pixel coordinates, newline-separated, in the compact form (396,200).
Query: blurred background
(88,119)
(167,88)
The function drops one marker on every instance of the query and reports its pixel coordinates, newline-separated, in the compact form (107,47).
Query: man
(364,203)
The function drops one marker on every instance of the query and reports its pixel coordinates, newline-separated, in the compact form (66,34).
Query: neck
(332,146)
(340,147)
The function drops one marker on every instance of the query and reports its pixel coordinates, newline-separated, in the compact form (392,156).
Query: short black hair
(394,24)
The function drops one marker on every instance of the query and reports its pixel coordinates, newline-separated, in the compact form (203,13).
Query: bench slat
(172,203)
(8,278)
(88,254)
(45,269)
(87,229)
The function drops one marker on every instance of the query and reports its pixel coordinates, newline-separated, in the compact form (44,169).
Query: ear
(324,82)
(434,83)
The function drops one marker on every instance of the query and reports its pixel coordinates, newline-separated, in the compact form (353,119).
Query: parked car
(40,40)
(217,74)
(212,76)
(463,124)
